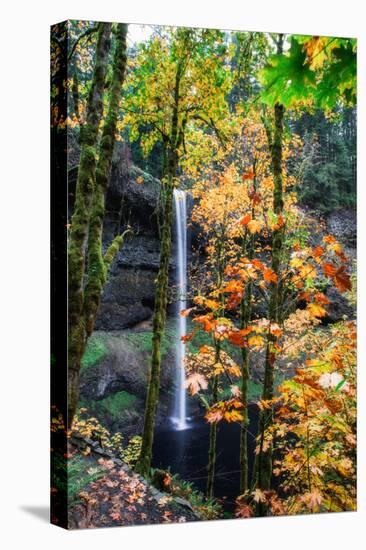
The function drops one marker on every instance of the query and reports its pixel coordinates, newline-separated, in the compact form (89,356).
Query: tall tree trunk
(97,268)
(212,445)
(152,397)
(263,464)
(80,218)
(215,386)
(245,315)
(171,163)
(245,318)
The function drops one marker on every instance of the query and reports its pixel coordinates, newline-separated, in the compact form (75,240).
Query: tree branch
(85,34)
(114,248)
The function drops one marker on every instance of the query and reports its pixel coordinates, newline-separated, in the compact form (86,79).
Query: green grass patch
(143,340)
(95,351)
(112,406)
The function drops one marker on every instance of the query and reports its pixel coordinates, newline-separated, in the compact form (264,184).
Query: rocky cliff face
(128,296)
(132,199)
(113,385)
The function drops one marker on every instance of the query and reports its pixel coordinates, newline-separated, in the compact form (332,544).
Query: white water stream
(180,206)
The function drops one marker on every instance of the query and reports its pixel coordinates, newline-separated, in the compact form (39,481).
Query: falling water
(181,247)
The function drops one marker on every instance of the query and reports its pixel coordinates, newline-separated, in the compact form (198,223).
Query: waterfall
(179,418)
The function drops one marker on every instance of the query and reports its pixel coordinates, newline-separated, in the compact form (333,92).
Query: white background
(24,272)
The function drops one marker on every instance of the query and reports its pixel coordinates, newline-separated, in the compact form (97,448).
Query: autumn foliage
(313,431)
(215,114)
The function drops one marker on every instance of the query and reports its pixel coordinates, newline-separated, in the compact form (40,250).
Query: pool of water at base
(185,452)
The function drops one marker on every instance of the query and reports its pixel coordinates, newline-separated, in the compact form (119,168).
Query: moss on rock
(95,351)
(113,408)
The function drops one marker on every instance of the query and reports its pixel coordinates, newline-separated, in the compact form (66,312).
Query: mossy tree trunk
(80,218)
(159,318)
(87,278)
(263,464)
(171,154)
(97,268)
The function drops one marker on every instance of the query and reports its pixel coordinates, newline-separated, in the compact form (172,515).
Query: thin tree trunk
(171,162)
(212,446)
(245,315)
(80,218)
(75,90)
(215,386)
(263,465)
(152,397)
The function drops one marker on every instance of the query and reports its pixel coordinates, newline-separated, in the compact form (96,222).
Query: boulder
(338,308)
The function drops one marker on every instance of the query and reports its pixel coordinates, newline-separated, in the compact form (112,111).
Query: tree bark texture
(80,219)
(263,463)
(88,267)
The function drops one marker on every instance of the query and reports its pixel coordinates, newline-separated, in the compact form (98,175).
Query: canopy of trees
(260,130)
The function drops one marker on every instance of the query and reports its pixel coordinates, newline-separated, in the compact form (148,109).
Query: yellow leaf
(316,310)
(255,341)
(254,226)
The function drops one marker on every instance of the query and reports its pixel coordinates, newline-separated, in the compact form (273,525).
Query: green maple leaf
(287,79)
(339,78)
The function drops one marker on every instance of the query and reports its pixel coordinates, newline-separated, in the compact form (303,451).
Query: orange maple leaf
(248,176)
(186,312)
(329,239)
(342,280)
(269,275)
(329,270)
(214,416)
(258,264)
(318,251)
(233,286)
(245,219)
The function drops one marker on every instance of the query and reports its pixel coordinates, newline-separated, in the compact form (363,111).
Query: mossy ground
(96,350)
(112,406)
